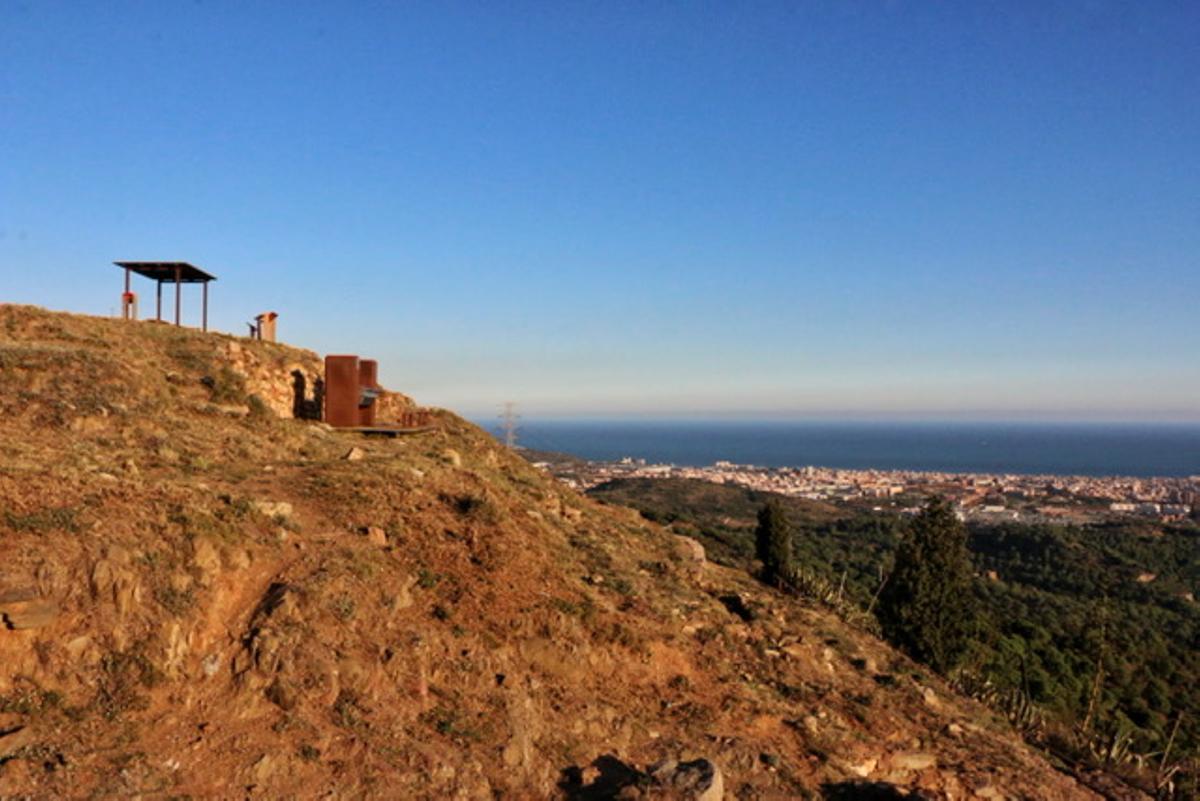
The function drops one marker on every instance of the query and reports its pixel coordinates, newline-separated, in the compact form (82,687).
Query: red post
(341,391)
(368,372)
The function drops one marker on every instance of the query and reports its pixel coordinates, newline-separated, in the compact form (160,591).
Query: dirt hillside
(203,598)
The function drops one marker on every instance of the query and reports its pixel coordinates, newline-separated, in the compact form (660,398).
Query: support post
(125,297)
(204,309)
(158,307)
(178,275)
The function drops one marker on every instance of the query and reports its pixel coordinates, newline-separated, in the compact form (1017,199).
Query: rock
(210,665)
(930,698)
(32,614)
(277,510)
(231,410)
(263,768)
(112,577)
(913,760)
(865,768)
(698,780)
(355,454)
(13,741)
(377,536)
(452,457)
(238,558)
(689,550)
(207,559)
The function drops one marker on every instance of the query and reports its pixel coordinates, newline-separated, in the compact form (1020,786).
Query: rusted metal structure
(164,272)
(350,390)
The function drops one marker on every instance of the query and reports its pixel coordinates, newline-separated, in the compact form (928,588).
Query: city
(1029,498)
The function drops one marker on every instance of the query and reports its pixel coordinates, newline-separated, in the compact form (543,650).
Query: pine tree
(926,608)
(773,543)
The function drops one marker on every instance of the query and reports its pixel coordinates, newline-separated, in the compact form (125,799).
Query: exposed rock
(15,740)
(912,760)
(114,579)
(689,550)
(210,665)
(278,510)
(355,454)
(207,559)
(32,614)
(377,536)
(698,780)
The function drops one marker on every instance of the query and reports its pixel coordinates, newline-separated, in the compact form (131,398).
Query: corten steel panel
(368,373)
(341,391)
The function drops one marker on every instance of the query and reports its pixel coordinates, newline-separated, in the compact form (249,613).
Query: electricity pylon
(508,424)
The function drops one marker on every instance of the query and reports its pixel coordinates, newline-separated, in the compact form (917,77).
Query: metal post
(204,313)
(158,308)
(125,298)
(178,275)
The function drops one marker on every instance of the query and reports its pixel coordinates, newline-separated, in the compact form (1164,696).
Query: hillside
(1058,603)
(203,598)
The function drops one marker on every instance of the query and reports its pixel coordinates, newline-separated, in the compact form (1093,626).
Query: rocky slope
(203,598)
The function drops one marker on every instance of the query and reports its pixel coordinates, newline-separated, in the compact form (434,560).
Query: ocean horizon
(1085,449)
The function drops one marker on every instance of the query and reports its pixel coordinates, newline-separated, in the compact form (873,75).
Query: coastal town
(980,496)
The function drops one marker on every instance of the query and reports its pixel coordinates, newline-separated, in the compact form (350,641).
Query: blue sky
(896,209)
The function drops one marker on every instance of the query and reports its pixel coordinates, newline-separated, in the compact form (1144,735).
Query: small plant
(342,607)
(427,579)
(258,407)
(175,601)
(39,522)
(309,753)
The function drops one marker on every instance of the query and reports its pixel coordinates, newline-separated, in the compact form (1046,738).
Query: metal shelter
(169,272)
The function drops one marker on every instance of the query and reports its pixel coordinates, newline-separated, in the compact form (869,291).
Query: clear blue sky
(798,209)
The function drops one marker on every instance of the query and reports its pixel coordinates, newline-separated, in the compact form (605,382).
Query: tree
(926,608)
(773,542)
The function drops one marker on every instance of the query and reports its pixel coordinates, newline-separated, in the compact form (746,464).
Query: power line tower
(508,424)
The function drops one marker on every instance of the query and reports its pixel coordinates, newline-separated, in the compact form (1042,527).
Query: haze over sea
(1092,449)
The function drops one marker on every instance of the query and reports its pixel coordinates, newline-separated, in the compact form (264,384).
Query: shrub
(773,543)
(926,608)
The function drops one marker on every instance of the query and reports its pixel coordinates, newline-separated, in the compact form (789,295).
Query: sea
(1085,449)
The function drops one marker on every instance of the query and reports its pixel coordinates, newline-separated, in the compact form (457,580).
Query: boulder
(277,510)
(377,536)
(689,550)
(698,780)
(355,454)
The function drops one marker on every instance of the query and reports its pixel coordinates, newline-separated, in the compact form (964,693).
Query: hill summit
(201,597)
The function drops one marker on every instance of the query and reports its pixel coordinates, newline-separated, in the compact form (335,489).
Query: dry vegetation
(203,599)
